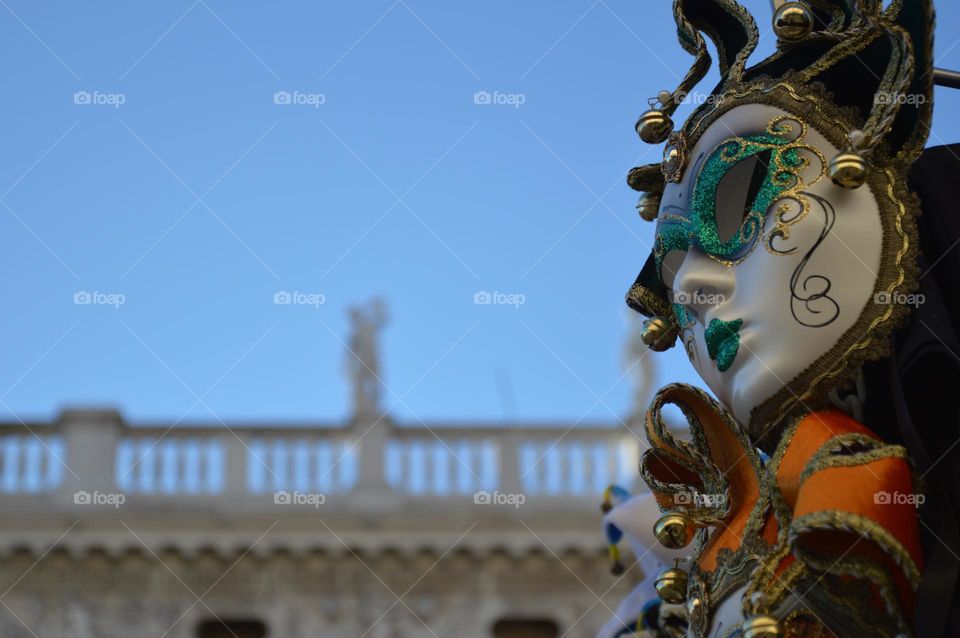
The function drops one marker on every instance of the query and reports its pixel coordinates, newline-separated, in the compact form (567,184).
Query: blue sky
(180,186)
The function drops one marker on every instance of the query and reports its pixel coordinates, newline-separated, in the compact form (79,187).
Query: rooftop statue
(363,357)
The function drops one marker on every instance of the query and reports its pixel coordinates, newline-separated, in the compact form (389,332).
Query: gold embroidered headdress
(859,73)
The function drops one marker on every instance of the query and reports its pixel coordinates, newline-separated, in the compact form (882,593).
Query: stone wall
(165,594)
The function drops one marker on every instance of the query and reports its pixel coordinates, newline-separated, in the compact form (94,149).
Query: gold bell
(760,627)
(671,585)
(654,126)
(848,170)
(793,21)
(674,530)
(648,206)
(659,334)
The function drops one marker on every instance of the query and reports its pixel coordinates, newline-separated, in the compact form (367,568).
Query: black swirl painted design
(811,294)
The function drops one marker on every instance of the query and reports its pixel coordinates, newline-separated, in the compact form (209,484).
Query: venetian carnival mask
(784,257)
(785,236)
(757,249)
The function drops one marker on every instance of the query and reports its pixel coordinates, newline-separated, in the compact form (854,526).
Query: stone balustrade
(86,459)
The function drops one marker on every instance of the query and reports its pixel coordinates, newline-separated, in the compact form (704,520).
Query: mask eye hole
(670,266)
(737,193)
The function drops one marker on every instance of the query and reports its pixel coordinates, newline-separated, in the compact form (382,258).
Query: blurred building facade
(365,528)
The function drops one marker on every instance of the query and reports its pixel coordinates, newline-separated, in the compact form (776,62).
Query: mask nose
(701,284)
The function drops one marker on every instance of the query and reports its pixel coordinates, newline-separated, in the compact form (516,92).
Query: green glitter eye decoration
(781,158)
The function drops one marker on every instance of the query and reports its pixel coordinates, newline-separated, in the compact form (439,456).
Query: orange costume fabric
(834,501)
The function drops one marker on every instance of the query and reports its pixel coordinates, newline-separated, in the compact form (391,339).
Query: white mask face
(768,263)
